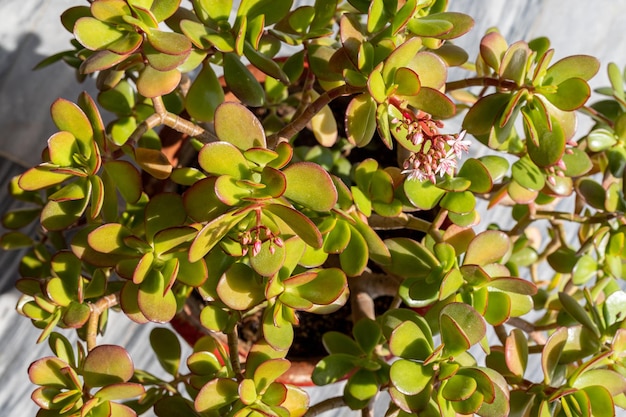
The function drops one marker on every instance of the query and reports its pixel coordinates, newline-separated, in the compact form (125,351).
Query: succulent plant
(265,160)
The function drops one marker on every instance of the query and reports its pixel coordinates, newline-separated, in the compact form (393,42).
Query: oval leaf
(310,185)
(361,119)
(236,124)
(107,364)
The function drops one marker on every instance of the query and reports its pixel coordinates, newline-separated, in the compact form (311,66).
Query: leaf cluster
(235,183)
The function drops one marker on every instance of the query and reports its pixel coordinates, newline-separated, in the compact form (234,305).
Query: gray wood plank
(30,30)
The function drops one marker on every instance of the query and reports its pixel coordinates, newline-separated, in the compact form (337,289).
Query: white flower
(458,145)
(415,174)
(446,165)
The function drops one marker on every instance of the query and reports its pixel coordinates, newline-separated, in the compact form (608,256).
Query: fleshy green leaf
(310,185)
(434,102)
(236,124)
(546,143)
(340,343)
(338,238)
(169,43)
(367,334)
(492,48)
(354,257)
(459,202)
(527,174)
(409,341)
(167,348)
(409,258)
(513,66)
(478,174)
(277,331)
(107,364)
(58,215)
(50,372)
(204,95)
(223,158)
(410,378)
(552,352)
(459,387)
(484,114)
(324,125)
(611,380)
(212,233)
(299,223)
(577,163)
(585,269)
(201,202)
(109,238)
(126,178)
(94,34)
(361,120)
(216,394)
(324,288)
(575,66)
(362,386)
(423,194)
(516,352)
(155,300)
(571,306)
(461,327)
(153,162)
(242,82)
(239,288)
(570,95)
(332,368)
(487,247)
(592,192)
(17,219)
(153,83)
(460,24)
(120,391)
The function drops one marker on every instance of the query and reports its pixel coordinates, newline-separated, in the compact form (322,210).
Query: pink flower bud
(256,248)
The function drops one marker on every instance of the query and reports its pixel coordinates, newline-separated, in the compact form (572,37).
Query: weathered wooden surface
(30,30)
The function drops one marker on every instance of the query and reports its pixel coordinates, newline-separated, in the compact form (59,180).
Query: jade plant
(265,162)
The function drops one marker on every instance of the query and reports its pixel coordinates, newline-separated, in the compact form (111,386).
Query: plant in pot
(318,185)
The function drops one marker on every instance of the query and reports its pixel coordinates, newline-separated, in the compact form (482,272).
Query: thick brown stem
(233,352)
(576,218)
(362,304)
(528,328)
(369,410)
(501,333)
(162,117)
(521,225)
(434,229)
(506,85)
(305,117)
(366,288)
(179,124)
(97,309)
(596,115)
(326,405)
(402,221)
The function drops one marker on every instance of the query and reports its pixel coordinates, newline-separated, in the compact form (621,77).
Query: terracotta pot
(188,326)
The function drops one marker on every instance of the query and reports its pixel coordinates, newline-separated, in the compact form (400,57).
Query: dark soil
(308,333)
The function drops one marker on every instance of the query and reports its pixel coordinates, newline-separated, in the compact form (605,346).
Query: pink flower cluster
(253,238)
(438,153)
